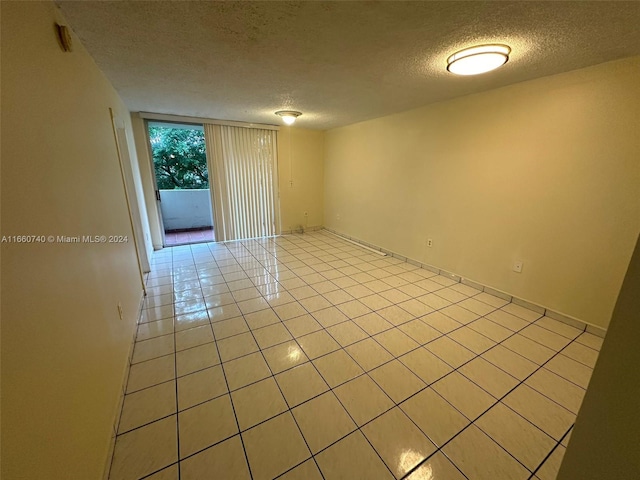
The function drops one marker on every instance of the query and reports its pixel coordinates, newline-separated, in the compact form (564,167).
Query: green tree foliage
(179,158)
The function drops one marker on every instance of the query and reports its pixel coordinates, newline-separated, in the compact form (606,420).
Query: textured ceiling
(337,62)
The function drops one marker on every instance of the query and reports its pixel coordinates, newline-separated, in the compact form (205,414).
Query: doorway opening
(182,182)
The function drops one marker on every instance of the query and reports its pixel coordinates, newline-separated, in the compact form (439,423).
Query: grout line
(394,357)
(290,409)
(458,278)
(161,469)
(558,444)
(268,266)
(175,380)
(397,326)
(224,373)
(331,389)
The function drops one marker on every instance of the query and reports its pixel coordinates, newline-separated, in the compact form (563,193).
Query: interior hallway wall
(64,346)
(546,172)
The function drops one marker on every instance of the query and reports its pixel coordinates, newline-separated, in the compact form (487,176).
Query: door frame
(156,190)
(130,197)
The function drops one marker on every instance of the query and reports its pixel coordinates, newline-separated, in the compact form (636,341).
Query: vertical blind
(243,177)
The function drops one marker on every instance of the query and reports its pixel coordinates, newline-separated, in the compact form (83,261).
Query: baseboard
(123,389)
(596,330)
(301,229)
(559,316)
(107,467)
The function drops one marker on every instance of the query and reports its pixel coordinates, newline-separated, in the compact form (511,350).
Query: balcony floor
(185,238)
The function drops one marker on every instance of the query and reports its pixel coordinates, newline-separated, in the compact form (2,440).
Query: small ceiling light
(288,116)
(480,59)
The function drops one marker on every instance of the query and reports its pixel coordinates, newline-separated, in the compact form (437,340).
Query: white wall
(545,171)
(183,209)
(64,347)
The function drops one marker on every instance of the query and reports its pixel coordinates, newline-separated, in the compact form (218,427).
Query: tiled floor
(192,236)
(306,357)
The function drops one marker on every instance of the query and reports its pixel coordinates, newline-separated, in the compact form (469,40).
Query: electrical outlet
(429,242)
(338,216)
(517,266)
(120,310)
(291,183)
(306,214)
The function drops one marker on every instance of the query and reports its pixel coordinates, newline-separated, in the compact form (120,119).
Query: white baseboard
(123,389)
(561,317)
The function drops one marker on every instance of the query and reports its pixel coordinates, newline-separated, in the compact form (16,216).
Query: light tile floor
(306,357)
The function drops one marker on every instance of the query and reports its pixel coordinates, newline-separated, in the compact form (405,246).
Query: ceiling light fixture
(479,59)
(288,116)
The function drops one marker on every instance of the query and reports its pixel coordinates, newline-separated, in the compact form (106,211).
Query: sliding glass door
(182,182)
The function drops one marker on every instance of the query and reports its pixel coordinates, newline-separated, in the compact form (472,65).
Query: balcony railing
(185,209)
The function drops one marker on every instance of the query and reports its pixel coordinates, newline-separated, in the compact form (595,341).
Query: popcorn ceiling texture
(337,62)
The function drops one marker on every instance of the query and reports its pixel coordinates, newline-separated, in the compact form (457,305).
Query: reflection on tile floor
(191,236)
(306,357)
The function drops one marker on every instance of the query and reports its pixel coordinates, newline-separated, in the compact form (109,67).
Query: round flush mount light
(479,59)
(288,116)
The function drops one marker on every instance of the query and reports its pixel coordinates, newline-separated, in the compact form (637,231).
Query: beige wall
(604,442)
(64,347)
(301,175)
(545,171)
